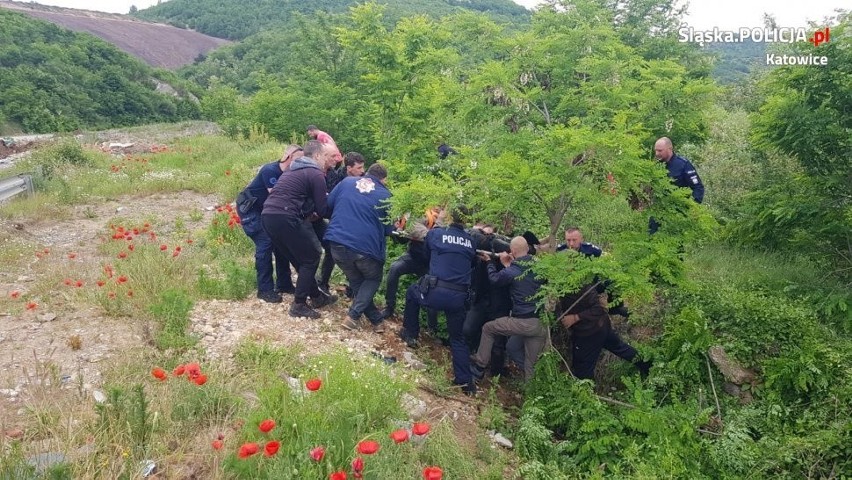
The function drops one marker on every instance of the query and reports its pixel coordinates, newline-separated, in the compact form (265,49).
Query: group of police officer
(481,281)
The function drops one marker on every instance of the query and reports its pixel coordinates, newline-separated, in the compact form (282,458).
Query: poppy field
(134,252)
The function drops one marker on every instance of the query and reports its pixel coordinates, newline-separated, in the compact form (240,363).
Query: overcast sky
(703,14)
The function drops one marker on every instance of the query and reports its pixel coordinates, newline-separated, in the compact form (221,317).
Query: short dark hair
(312,148)
(352,158)
(378,170)
(312,127)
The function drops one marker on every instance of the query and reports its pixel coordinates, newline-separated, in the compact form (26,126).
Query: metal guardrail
(21,183)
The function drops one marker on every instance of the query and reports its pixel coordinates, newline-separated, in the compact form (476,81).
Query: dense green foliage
(232,20)
(58,80)
(553,129)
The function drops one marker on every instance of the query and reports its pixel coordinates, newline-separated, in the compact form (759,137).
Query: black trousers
(587,350)
(298,240)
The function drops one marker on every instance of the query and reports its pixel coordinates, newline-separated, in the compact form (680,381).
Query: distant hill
(54,79)
(238,19)
(158,45)
(736,61)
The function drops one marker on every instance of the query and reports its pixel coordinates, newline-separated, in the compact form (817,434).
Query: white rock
(413,361)
(99,396)
(499,439)
(415,407)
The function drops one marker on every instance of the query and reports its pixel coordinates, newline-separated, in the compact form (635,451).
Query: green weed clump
(172,314)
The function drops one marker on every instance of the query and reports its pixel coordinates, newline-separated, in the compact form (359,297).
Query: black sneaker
(303,310)
(644,368)
(410,341)
(285,290)
(476,371)
(349,292)
(322,300)
(269,297)
(388,312)
(324,288)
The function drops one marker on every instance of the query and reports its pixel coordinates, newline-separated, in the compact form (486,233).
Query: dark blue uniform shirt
(523,285)
(451,254)
(586,248)
(266,178)
(358,211)
(684,175)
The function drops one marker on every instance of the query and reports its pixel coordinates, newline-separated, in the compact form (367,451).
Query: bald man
(524,319)
(680,169)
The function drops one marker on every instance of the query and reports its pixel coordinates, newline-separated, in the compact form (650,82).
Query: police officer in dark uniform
(446,287)
(489,301)
(574,241)
(681,171)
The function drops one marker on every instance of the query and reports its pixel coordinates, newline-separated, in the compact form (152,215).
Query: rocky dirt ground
(37,349)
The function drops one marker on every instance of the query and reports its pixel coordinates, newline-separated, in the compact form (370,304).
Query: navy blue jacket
(684,175)
(586,248)
(522,282)
(266,178)
(451,254)
(358,214)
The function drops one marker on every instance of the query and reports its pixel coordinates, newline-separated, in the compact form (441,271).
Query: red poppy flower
(159,374)
(164,247)
(111,294)
(32,306)
(341,475)
(189,241)
(135,231)
(432,473)
(122,255)
(68,282)
(358,465)
(152,235)
(178,371)
(218,444)
(128,237)
(146,226)
(368,447)
(200,380)
(72,255)
(193,369)
(175,253)
(313,384)
(101,283)
(399,436)
(131,247)
(271,448)
(46,251)
(420,428)
(267,425)
(78,284)
(248,449)
(317,454)
(15,294)
(130,293)
(177,249)
(122,279)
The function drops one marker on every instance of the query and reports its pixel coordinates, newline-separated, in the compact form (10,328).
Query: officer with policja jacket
(452,255)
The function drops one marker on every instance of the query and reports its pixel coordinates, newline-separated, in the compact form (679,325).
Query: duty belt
(451,286)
